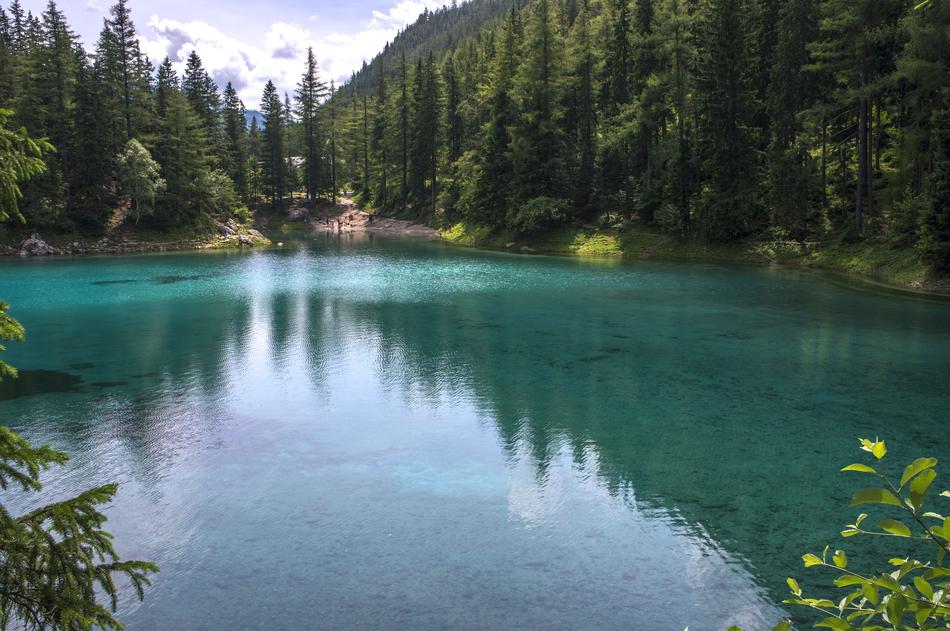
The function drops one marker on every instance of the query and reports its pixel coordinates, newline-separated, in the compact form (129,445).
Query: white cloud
(280,55)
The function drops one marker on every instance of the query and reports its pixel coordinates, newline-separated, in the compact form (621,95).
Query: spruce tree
(272,145)
(792,184)
(123,69)
(236,142)
(731,205)
(309,93)
(378,144)
(537,141)
(487,199)
(92,178)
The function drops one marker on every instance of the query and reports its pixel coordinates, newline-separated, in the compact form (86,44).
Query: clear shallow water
(398,434)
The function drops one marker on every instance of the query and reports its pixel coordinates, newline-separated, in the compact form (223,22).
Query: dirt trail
(346,217)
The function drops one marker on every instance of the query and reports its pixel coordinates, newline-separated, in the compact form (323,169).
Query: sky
(248,42)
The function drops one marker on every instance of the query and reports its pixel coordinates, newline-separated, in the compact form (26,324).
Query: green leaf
(888,582)
(945,494)
(860,468)
(916,467)
(894,527)
(895,607)
(810,560)
(875,496)
(879,449)
(920,486)
(840,559)
(784,625)
(861,517)
(850,532)
(793,585)
(924,587)
(871,593)
(834,623)
(848,579)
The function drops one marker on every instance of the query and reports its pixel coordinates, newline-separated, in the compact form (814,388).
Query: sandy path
(351,219)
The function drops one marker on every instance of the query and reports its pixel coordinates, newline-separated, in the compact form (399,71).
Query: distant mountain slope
(250,115)
(436,32)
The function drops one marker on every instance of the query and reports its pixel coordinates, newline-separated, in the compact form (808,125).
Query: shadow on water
(34,382)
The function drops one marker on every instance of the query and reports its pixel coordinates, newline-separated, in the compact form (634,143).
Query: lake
(373,433)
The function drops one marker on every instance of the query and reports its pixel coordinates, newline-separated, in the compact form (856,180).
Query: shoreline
(874,265)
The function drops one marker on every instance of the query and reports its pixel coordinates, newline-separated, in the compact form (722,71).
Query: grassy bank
(873,261)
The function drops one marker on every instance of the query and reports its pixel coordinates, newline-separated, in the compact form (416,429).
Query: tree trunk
(824,161)
(862,165)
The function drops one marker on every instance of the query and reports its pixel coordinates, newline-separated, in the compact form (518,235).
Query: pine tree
(184,155)
(402,127)
(272,145)
(92,177)
(202,93)
(935,225)
(453,116)
(791,173)
(235,136)
(585,111)
(424,135)
(309,92)
(486,199)
(331,107)
(124,72)
(7,61)
(731,206)
(379,141)
(618,56)
(537,140)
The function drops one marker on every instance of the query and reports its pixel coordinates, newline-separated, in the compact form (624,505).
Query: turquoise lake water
(400,434)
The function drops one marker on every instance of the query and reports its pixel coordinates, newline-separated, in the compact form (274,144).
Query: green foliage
(536,214)
(914,592)
(10,331)
(21,157)
(220,197)
(56,558)
(139,177)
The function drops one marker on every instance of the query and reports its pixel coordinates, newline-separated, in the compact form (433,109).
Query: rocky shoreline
(227,235)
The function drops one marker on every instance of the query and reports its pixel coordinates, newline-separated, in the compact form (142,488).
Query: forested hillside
(438,32)
(797,120)
(804,119)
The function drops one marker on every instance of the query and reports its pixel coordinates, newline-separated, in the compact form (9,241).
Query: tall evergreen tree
(537,140)
(235,135)
(731,206)
(272,145)
(309,92)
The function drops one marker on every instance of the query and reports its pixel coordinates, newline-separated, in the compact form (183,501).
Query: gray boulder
(35,246)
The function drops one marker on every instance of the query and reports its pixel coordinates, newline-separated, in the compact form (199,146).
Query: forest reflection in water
(400,434)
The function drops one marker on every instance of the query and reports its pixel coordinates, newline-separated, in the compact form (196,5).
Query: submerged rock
(36,246)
